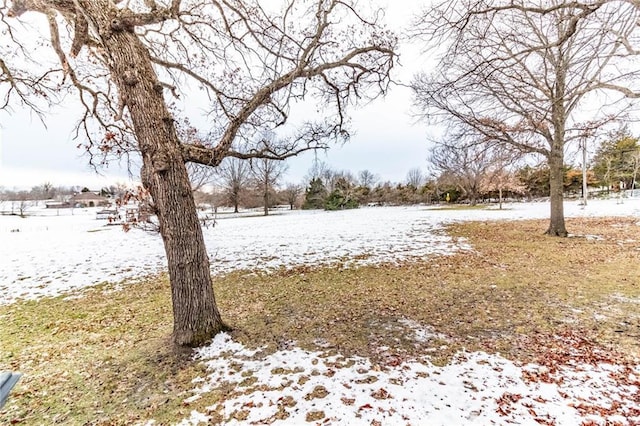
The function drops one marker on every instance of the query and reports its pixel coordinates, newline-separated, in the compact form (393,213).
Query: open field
(46,255)
(450,318)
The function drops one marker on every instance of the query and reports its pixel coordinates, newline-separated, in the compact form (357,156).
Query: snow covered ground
(47,255)
(51,255)
(295,387)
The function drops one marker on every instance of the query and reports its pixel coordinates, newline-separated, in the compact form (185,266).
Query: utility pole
(636,166)
(584,172)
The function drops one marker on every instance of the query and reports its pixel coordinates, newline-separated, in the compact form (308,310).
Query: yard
(373,316)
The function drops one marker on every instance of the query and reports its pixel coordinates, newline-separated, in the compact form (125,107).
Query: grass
(105,358)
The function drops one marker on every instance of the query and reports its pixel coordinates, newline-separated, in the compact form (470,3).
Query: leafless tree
(320,170)
(43,192)
(415,178)
(528,73)
(266,173)
(118,190)
(22,202)
(500,175)
(367,179)
(462,166)
(292,193)
(130,63)
(48,191)
(199,175)
(465,159)
(233,179)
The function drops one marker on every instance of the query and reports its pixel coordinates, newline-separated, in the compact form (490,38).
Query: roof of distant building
(88,196)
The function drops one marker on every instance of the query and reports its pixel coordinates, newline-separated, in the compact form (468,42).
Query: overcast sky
(387,141)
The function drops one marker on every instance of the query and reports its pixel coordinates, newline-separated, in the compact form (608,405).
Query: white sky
(386,140)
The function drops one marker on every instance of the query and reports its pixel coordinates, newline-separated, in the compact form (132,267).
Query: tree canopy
(135,66)
(528,74)
(617,160)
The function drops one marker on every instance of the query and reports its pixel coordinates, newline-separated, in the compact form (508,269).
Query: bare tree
(124,58)
(415,178)
(523,73)
(22,202)
(233,178)
(118,190)
(464,167)
(292,193)
(500,175)
(199,175)
(266,173)
(48,191)
(321,170)
(367,179)
(43,192)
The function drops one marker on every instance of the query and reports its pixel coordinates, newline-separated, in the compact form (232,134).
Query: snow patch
(294,386)
(53,254)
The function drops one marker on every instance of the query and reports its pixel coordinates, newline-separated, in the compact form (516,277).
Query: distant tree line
(469,174)
(48,191)
(472,175)
(19,201)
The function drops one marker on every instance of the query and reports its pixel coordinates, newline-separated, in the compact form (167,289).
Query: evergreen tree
(315,195)
(535,180)
(338,201)
(617,160)
(343,195)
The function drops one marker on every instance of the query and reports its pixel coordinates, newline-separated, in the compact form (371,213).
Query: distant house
(57,204)
(88,199)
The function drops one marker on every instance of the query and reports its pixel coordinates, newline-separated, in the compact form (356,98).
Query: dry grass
(516,282)
(101,357)
(105,358)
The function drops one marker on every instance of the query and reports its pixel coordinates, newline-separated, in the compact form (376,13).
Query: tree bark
(474,198)
(556,151)
(556,186)
(235,196)
(164,175)
(266,200)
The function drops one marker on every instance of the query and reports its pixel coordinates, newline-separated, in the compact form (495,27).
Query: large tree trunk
(266,200)
(235,199)
(474,197)
(556,152)
(556,186)
(164,175)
